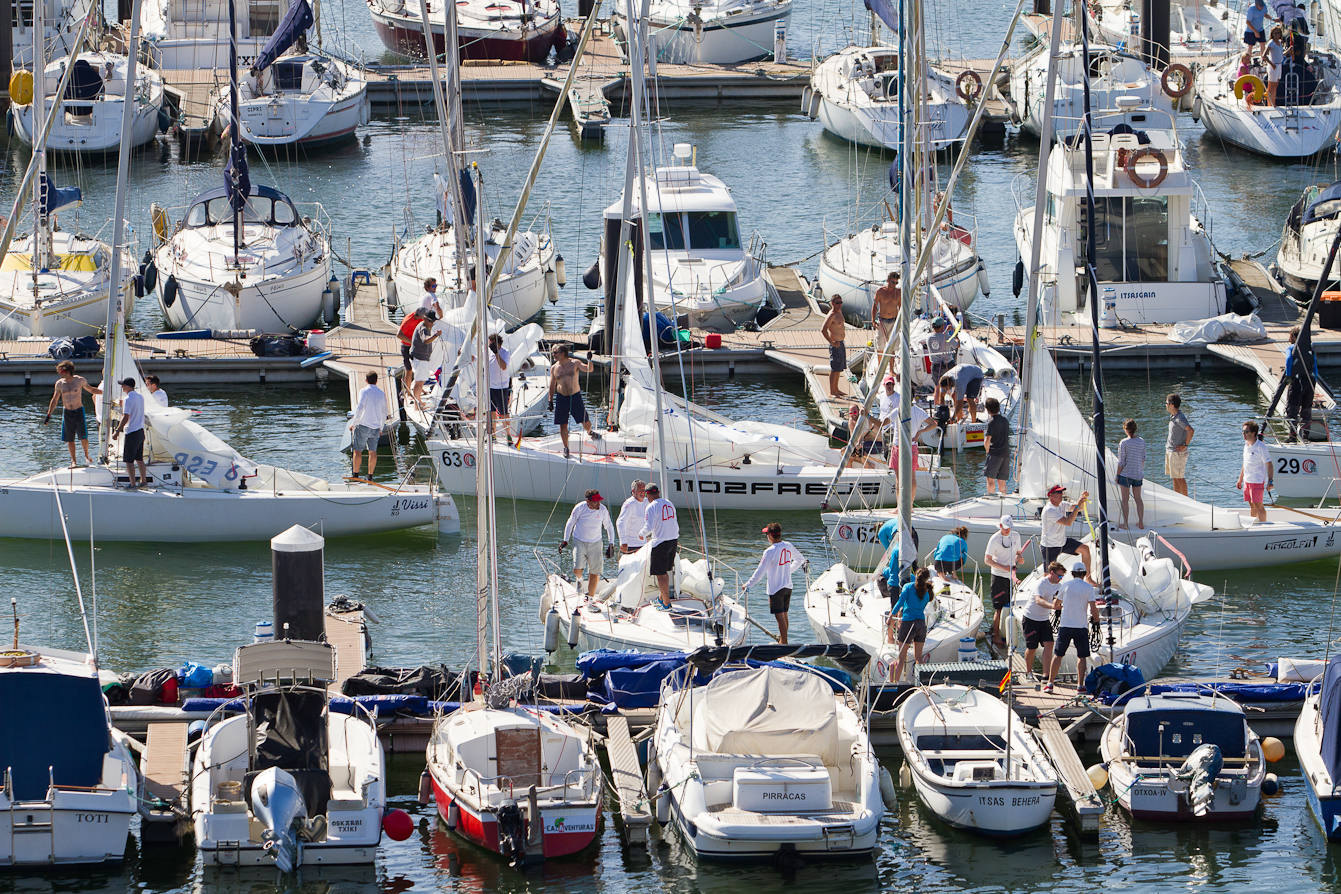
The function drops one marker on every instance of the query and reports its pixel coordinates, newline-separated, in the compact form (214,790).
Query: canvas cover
(1226,327)
(55,721)
(765,711)
(1330,705)
(1174,726)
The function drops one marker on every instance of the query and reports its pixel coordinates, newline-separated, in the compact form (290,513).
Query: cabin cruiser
(1204,29)
(1154,258)
(193,34)
(1302,122)
(524,31)
(855,95)
(712,32)
(88,117)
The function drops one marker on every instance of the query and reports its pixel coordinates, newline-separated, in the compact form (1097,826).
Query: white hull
(1203,31)
(100,131)
(519,295)
(295,119)
(1306,470)
(957,283)
(865,127)
(1114,74)
(741,38)
(66,302)
(1324,799)
(277,304)
(1284,131)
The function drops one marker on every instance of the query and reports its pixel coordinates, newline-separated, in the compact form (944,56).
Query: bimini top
(1176,724)
(265,204)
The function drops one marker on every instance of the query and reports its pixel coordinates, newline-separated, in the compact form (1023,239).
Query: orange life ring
(1141,155)
(968,85)
(1182,75)
(1251,83)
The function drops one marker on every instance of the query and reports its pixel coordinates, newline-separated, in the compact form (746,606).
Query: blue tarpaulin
(596,662)
(1331,717)
(1174,725)
(51,721)
(638,687)
(54,197)
(297,19)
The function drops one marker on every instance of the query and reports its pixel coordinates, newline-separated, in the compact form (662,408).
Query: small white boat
(761,761)
(974,762)
(1303,122)
(265,274)
(1113,73)
(1305,241)
(88,117)
(302,99)
(855,95)
(1187,756)
(60,289)
(71,785)
(711,32)
(522,31)
(288,782)
(1315,746)
(1202,29)
(846,607)
(625,613)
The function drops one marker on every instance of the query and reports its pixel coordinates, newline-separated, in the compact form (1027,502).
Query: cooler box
(1329,310)
(782,788)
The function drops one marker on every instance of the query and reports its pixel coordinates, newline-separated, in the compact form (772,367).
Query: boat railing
(1022,190)
(1201,210)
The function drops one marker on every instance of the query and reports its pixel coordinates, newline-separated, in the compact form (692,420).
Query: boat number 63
(456,459)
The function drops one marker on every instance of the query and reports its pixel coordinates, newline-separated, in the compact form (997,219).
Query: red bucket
(713,340)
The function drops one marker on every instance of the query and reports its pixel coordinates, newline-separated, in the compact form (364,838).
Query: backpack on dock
(276,346)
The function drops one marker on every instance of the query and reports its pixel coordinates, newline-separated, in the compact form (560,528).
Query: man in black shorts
(661,531)
(1055,522)
(1073,596)
(1037,620)
(775,569)
(834,332)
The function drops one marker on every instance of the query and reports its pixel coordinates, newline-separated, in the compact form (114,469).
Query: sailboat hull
(405,35)
(278,304)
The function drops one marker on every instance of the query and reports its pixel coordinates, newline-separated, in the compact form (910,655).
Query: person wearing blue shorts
(1131,472)
(565,394)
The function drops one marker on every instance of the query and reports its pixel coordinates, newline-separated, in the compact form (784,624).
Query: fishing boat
(974,762)
(524,31)
(711,32)
(1303,121)
(1187,756)
(763,761)
(295,97)
(88,115)
(1315,745)
(1205,31)
(288,781)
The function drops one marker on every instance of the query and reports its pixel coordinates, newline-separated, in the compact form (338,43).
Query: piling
(299,584)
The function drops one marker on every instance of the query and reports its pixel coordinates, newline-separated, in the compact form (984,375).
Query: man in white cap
(584,530)
(779,560)
(661,531)
(1073,596)
(1003,554)
(920,422)
(632,515)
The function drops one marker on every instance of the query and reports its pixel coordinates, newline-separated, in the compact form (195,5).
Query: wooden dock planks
(347,633)
(164,763)
(628,778)
(1075,782)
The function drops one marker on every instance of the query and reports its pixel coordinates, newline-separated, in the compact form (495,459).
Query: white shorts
(423,370)
(587,556)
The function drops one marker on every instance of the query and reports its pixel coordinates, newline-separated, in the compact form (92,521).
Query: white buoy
(551,629)
(573,624)
(887,790)
(560,271)
(983,285)
(905,775)
(551,286)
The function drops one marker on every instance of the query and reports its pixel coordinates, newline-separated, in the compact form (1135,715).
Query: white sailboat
(762,761)
(57,21)
(1198,29)
(88,115)
(1303,122)
(1315,746)
(1306,239)
(712,32)
(197,34)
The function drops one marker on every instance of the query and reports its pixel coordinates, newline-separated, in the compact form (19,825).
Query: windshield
(713,230)
(665,232)
(259,209)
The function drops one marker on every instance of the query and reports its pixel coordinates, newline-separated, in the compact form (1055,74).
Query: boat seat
(719,766)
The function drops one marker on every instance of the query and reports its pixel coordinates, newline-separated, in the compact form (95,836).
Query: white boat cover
(634,585)
(1226,327)
(1150,583)
(766,711)
(450,349)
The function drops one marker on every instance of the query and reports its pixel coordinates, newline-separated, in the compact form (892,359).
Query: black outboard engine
(511,831)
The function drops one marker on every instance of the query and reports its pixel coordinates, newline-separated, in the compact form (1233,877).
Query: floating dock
(627,774)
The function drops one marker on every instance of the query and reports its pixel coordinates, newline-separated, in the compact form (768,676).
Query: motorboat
(287,781)
(761,761)
(1202,30)
(1303,122)
(975,764)
(88,116)
(1113,74)
(195,34)
(844,606)
(71,784)
(855,95)
(263,267)
(1304,242)
(525,31)
(711,32)
(1155,262)
(1183,756)
(1315,745)
(302,99)
(625,614)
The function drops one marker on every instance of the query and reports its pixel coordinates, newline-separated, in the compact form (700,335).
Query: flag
(1005,683)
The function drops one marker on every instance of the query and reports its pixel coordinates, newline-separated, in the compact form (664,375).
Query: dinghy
(1183,756)
(288,782)
(974,762)
(1316,734)
(761,761)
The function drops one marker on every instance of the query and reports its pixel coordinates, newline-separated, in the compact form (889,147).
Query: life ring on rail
(1176,80)
(21,87)
(1141,155)
(1252,85)
(968,85)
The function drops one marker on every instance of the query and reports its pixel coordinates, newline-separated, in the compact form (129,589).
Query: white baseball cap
(1006,522)
(1077,565)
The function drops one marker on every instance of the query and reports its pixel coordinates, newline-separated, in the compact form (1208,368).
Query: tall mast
(906,449)
(486,566)
(450,126)
(237,153)
(41,226)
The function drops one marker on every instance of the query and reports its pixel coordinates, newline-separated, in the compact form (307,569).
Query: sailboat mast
(235,128)
(450,127)
(614,314)
(486,568)
(41,226)
(907,451)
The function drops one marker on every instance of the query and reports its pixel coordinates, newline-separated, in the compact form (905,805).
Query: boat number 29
(456,459)
(198,465)
(1293,465)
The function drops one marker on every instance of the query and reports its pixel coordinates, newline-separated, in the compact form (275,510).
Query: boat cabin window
(665,233)
(259,209)
(1131,238)
(713,230)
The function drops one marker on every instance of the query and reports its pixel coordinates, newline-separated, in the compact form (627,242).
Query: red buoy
(397,824)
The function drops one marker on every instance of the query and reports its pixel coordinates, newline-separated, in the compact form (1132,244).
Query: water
(162,605)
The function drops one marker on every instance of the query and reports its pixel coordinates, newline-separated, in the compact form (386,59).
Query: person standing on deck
(1254,31)
(632,516)
(910,613)
(1301,376)
(584,527)
(1180,436)
(500,380)
(951,553)
(1055,521)
(1003,554)
(776,566)
(885,309)
(661,530)
(69,394)
(131,424)
(370,414)
(834,332)
(997,442)
(1257,473)
(429,300)
(565,394)
(421,355)
(1073,597)
(1037,620)
(406,337)
(1131,472)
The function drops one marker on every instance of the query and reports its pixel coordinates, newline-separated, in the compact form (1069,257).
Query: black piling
(299,584)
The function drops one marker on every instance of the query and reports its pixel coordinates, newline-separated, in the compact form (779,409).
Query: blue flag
(237,180)
(297,19)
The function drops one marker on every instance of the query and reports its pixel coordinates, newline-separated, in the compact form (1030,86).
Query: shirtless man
(885,308)
(834,332)
(565,394)
(69,393)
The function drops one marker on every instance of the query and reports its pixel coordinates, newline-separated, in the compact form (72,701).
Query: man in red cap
(584,530)
(1056,520)
(776,567)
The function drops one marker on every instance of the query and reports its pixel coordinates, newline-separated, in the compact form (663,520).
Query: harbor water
(161,605)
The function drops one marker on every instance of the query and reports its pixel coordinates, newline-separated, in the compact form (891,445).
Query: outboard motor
(511,831)
(278,804)
(1200,770)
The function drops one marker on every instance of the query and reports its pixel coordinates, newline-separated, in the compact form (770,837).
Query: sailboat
(1316,740)
(1114,73)
(711,32)
(512,778)
(523,31)
(199,488)
(532,269)
(57,22)
(1200,30)
(299,98)
(88,114)
(53,282)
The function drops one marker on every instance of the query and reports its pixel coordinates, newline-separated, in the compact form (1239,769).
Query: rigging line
(74,569)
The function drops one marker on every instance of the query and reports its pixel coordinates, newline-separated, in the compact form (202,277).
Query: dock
(1075,784)
(163,765)
(626,772)
(347,632)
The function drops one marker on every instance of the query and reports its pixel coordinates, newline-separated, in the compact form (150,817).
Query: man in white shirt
(632,517)
(132,425)
(920,422)
(661,530)
(1256,474)
(584,527)
(1003,553)
(370,414)
(1037,620)
(1072,598)
(429,300)
(780,559)
(1056,520)
(156,390)
(500,382)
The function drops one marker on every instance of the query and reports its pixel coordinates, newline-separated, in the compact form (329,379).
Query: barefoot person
(565,394)
(69,394)
(779,560)
(885,308)
(1175,450)
(834,331)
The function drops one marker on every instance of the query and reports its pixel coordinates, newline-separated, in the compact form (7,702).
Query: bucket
(265,632)
(712,340)
(968,649)
(316,340)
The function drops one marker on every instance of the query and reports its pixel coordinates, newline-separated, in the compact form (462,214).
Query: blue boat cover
(1239,692)
(54,197)
(596,662)
(639,687)
(297,19)
(885,11)
(1175,725)
(54,721)
(1331,717)
(84,82)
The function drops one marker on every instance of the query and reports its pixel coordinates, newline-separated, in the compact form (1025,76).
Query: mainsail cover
(297,19)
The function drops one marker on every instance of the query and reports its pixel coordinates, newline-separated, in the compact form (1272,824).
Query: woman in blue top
(911,613)
(887,578)
(951,552)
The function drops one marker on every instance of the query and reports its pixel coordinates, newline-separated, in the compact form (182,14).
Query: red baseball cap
(1056,489)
